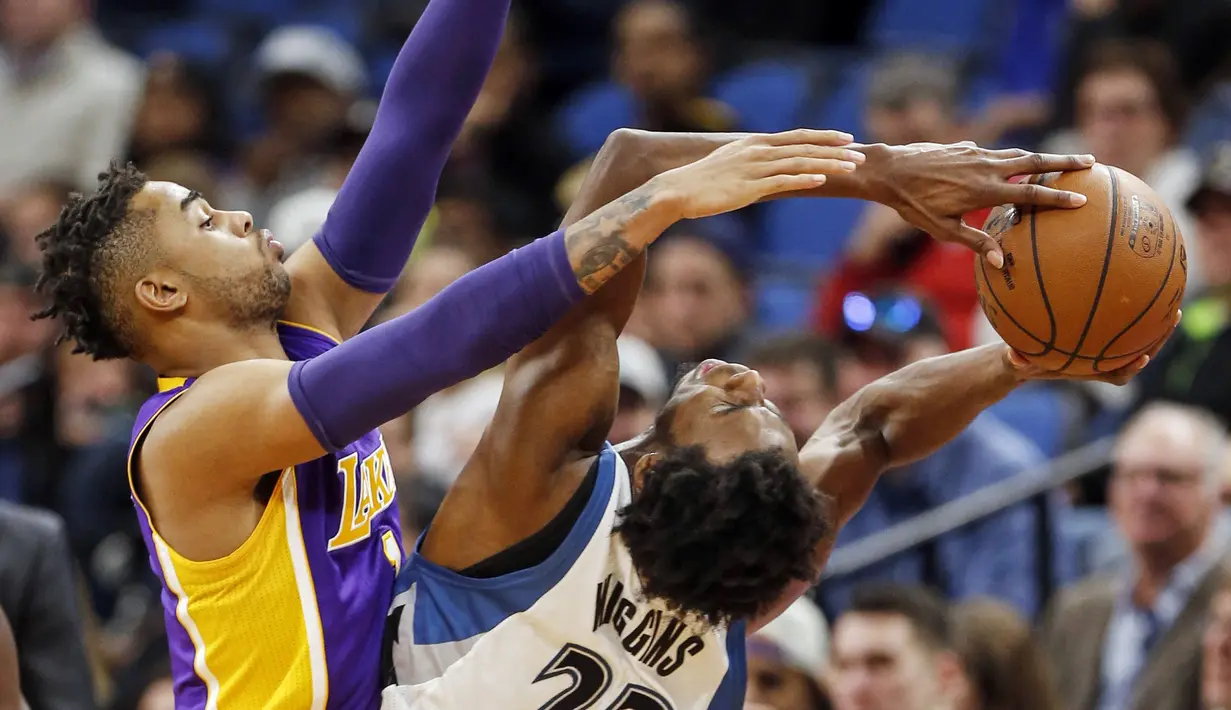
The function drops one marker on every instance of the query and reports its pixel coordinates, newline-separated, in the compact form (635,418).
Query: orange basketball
(1088,290)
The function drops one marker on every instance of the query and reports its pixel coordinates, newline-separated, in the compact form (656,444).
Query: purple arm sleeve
(372,226)
(475,324)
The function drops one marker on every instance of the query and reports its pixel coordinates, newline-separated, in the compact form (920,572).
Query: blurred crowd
(1109,593)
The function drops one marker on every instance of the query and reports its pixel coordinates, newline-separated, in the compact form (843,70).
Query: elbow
(627,149)
(872,429)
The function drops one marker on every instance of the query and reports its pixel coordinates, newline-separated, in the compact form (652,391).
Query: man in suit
(1132,641)
(39,597)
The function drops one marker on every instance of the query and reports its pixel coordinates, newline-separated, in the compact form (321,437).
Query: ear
(161,293)
(950,675)
(641,467)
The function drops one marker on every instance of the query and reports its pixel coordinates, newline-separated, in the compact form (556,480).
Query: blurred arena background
(263,104)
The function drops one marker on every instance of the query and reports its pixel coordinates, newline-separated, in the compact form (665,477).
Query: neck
(210,346)
(1155,565)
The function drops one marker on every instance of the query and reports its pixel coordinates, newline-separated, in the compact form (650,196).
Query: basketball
(1087,290)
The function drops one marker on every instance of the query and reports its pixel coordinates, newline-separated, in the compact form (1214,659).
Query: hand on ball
(933,185)
(1124,375)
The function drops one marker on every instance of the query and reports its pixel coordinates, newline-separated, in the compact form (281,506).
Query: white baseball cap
(799,638)
(642,370)
(312,51)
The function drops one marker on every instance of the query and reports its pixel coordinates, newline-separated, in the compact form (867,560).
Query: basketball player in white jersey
(562,573)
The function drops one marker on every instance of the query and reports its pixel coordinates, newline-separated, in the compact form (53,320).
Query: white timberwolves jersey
(572,633)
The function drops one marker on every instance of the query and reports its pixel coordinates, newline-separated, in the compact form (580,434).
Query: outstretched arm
(904,417)
(930,185)
(371,229)
(307,408)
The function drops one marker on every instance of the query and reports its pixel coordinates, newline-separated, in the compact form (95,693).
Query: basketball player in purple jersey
(263,489)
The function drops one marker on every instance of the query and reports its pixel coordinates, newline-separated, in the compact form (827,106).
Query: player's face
(722,406)
(880,664)
(216,256)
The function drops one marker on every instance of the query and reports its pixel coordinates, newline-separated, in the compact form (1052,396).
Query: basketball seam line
(1102,281)
(1149,306)
(1050,345)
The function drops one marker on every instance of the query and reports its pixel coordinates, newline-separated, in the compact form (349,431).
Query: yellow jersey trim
(313,627)
(312,329)
(199,664)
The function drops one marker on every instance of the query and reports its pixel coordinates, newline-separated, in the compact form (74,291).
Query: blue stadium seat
(591,114)
(1211,120)
(766,95)
(937,25)
(267,12)
(198,41)
(1040,413)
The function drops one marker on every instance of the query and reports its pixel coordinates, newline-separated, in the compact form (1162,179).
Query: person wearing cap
(643,388)
(996,556)
(1192,367)
(786,659)
(309,78)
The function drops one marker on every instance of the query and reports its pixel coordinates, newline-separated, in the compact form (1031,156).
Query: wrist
(666,203)
(871,182)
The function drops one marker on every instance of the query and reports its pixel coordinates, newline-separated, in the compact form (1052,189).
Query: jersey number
(591,677)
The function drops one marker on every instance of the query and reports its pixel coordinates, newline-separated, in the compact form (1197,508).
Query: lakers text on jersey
(292,619)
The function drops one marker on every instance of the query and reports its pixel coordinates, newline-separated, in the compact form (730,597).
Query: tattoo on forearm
(598,246)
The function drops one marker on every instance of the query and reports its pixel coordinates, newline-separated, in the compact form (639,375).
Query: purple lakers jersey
(293,618)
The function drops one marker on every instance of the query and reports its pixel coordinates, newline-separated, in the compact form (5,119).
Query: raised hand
(756,167)
(933,185)
(1119,377)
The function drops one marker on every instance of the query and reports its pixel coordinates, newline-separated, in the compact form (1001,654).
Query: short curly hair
(720,542)
(95,243)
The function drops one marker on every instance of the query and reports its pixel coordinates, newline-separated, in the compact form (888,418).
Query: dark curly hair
(720,542)
(94,244)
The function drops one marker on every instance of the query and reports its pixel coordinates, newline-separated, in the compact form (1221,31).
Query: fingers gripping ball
(1088,290)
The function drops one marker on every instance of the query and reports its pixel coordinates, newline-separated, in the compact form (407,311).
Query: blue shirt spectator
(997,556)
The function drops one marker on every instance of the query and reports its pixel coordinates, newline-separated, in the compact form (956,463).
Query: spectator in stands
(506,143)
(997,556)
(800,373)
(39,596)
(1192,368)
(698,292)
(911,98)
(309,77)
(786,659)
(32,208)
(1129,111)
(180,111)
(297,217)
(1193,30)
(661,70)
(643,389)
(1003,667)
(66,96)
(892,651)
(1216,652)
(28,452)
(1131,641)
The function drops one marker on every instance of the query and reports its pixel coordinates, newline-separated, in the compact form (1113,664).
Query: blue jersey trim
(452,607)
(730,693)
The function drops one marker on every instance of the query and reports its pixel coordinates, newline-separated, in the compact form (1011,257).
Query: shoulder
(25,526)
(1087,595)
